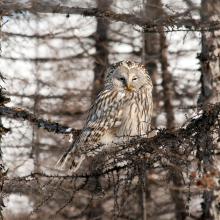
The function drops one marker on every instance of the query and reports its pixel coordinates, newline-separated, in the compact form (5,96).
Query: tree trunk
(210,91)
(167,86)
(176,194)
(101,45)
(101,64)
(150,56)
(151,49)
(1,125)
(209,57)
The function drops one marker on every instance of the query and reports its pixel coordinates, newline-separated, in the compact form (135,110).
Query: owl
(122,110)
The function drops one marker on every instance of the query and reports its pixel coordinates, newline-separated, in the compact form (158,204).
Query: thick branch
(170,22)
(49,126)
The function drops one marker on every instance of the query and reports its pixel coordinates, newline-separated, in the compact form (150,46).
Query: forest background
(54,59)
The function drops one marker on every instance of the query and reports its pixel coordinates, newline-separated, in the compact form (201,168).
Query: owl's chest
(134,118)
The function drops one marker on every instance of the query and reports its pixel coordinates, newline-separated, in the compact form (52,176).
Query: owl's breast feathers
(115,114)
(136,116)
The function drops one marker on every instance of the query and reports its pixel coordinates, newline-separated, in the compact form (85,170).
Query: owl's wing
(104,113)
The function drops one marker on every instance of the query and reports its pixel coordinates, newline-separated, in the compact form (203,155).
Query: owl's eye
(122,79)
(135,78)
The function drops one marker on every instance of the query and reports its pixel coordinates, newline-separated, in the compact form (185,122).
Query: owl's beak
(128,86)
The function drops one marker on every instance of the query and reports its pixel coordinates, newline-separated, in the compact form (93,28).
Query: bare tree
(55,56)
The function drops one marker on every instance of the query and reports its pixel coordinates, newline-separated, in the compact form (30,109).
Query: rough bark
(209,57)
(2,131)
(210,92)
(1,125)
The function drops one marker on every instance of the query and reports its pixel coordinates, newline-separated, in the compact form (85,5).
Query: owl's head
(127,75)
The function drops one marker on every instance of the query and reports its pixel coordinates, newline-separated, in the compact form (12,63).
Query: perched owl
(122,109)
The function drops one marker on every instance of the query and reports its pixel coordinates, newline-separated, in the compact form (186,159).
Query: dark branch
(46,124)
(172,22)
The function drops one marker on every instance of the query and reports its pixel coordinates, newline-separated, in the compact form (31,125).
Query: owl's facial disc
(129,79)
(135,79)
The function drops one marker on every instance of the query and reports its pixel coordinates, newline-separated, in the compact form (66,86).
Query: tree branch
(171,21)
(46,124)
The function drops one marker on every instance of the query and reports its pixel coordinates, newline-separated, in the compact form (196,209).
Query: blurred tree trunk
(177,197)
(176,194)
(167,82)
(101,64)
(101,45)
(36,107)
(151,49)
(154,51)
(150,57)
(210,90)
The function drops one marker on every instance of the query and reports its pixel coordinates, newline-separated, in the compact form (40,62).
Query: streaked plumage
(122,109)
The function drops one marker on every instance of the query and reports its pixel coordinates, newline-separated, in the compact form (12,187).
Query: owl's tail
(77,162)
(68,160)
